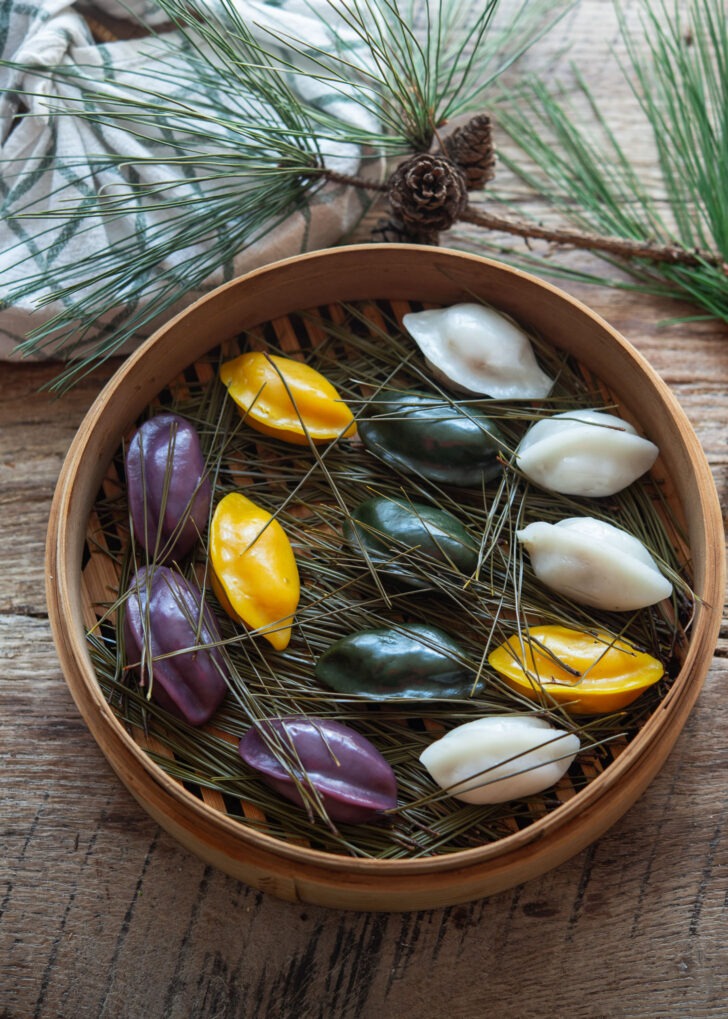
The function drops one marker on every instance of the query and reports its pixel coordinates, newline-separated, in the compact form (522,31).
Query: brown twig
(671,254)
(354,181)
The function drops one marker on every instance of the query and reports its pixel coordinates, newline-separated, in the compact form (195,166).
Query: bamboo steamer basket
(401,273)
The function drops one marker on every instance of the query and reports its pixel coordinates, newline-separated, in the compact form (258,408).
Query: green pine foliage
(678,69)
(215,106)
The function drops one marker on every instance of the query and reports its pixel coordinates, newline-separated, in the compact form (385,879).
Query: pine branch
(241,150)
(680,83)
(620,247)
(224,145)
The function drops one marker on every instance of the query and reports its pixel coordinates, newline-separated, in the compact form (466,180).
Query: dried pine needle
(362,349)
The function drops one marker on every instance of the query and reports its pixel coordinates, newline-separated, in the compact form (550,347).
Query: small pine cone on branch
(427,194)
(471,147)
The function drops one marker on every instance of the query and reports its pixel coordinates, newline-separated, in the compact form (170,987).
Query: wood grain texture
(103,915)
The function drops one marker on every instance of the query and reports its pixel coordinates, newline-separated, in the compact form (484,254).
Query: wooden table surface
(103,914)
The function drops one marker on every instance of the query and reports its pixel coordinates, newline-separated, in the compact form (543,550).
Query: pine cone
(390,231)
(471,147)
(427,193)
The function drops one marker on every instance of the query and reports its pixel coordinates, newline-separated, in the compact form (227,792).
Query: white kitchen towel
(52,159)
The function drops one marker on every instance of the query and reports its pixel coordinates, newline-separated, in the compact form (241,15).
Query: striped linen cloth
(49,160)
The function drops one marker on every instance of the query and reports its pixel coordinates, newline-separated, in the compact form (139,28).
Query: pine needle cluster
(218,102)
(571,158)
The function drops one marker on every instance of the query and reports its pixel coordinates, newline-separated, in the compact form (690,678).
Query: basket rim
(63,590)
